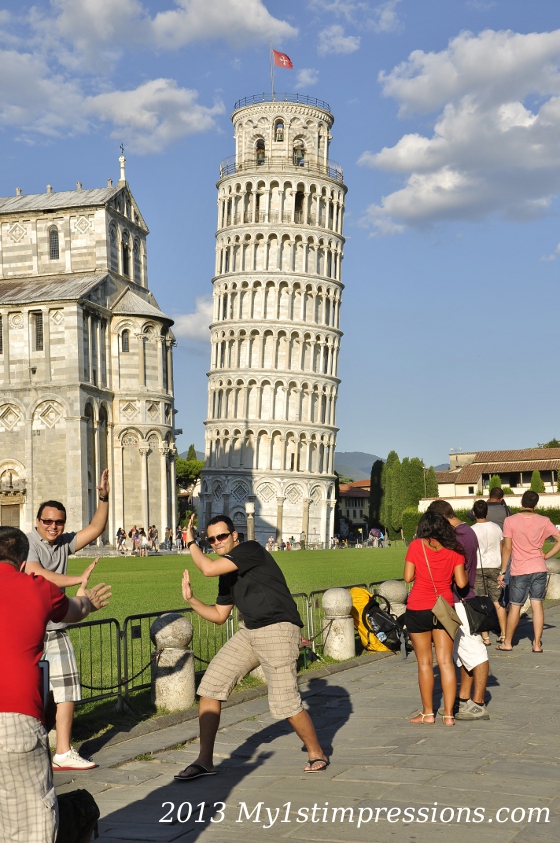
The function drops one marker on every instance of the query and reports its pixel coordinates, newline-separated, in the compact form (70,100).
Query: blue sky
(447,125)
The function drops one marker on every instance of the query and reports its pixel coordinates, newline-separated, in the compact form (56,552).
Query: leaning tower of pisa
(271,426)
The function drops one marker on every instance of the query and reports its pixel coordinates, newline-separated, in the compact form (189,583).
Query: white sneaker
(72,760)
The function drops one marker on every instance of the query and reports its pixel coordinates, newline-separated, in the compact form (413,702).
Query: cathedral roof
(52,201)
(131,304)
(53,288)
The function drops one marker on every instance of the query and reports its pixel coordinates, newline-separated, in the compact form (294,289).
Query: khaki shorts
(493,589)
(276,649)
(63,668)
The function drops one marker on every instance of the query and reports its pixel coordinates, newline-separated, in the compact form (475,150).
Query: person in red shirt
(28,808)
(435,550)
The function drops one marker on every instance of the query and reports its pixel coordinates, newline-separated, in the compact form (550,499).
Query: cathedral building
(275,336)
(86,378)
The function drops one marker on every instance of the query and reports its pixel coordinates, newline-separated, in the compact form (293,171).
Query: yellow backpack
(360,600)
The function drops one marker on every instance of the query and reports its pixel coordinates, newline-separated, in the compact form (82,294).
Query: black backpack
(78,814)
(386,627)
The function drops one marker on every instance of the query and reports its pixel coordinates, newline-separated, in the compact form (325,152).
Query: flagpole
(271,69)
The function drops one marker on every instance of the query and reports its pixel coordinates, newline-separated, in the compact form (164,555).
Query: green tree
(396,500)
(495,482)
(554,443)
(432,489)
(191,453)
(375,494)
(387,484)
(415,482)
(187,472)
(536,482)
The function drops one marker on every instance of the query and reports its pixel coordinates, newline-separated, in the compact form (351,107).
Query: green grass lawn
(153,584)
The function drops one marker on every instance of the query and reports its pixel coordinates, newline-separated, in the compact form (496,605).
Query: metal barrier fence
(98,653)
(114,661)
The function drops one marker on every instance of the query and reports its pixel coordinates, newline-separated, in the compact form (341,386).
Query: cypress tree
(191,453)
(416,482)
(376,494)
(432,489)
(536,482)
(396,504)
(495,482)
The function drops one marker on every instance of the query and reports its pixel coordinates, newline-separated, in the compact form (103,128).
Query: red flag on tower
(282,60)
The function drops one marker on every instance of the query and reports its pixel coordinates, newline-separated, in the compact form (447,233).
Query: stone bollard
(338,626)
(553,565)
(553,589)
(395,592)
(173,664)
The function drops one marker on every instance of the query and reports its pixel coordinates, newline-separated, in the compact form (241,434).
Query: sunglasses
(220,538)
(49,522)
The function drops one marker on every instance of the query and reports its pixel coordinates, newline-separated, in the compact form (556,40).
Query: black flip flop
(200,771)
(313,761)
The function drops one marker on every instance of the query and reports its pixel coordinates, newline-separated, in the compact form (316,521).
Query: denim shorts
(527,585)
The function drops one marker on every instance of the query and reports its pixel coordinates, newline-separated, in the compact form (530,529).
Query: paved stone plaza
(378,761)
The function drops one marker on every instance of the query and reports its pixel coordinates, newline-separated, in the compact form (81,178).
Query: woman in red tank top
(435,545)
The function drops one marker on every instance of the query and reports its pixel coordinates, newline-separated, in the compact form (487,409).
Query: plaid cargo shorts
(276,649)
(63,668)
(28,806)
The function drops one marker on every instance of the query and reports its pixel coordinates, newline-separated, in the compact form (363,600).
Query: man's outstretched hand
(98,596)
(104,487)
(87,574)
(186,586)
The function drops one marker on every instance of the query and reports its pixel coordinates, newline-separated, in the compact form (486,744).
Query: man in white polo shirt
(524,536)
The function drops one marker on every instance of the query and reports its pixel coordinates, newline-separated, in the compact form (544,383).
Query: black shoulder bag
(481,612)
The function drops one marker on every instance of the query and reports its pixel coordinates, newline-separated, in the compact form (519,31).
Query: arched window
(54,249)
(279,130)
(126,253)
(260,150)
(299,152)
(125,341)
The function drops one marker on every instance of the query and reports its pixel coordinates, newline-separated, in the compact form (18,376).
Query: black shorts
(421,620)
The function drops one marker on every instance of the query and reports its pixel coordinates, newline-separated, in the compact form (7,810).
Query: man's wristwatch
(192,541)
(104,498)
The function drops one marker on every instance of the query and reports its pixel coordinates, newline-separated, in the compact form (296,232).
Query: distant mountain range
(354,464)
(199,455)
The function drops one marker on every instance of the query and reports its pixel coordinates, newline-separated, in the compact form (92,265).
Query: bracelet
(104,499)
(191,542)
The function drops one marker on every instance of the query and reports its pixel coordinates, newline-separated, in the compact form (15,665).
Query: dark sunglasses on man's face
(220,538)
(48,522)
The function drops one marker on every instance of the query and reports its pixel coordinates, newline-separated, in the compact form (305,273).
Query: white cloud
(340,8)
(306,77)
(385,17)
(92,33)
(194,326)
(495,142)
(33,99)
(238,21)
(553,256)
(333,40)
(153,115)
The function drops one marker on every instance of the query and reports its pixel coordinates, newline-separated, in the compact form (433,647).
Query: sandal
(309,766)
(501,639)
(445,717)
(486,641)
(423,718)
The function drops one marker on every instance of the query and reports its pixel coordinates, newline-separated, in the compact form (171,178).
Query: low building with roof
(353,504)
(470,473)
(86,368)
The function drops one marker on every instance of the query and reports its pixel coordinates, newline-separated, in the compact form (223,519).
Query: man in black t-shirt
(249,579)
